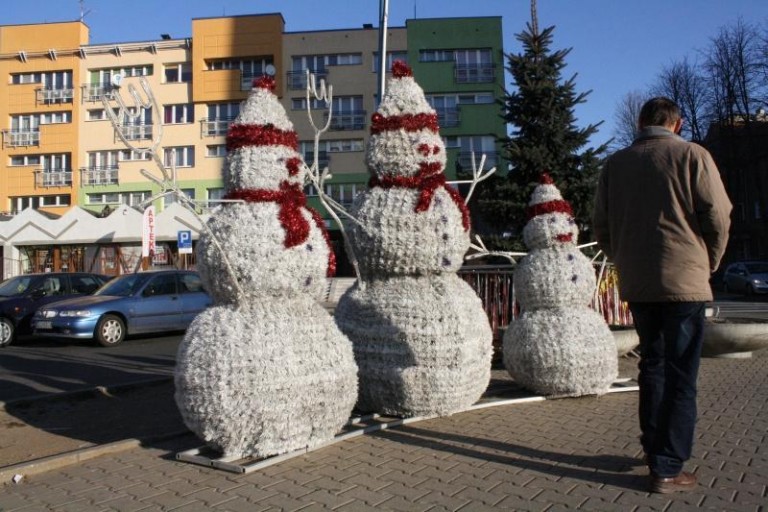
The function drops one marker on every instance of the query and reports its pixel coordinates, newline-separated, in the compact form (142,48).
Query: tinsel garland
(558,206)
(407,122)
(291,199)
(426,183)
(243,135)
(400,69)
(265,82)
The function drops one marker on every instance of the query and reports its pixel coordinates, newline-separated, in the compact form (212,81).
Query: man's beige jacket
(662,216)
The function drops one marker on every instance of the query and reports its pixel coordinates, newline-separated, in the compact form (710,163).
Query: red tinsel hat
(546,198)
(387,120)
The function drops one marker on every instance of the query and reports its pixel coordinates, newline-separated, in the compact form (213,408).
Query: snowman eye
(552,220)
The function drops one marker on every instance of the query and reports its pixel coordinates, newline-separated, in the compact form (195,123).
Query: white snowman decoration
(559,346)
(265,370)
(420,335)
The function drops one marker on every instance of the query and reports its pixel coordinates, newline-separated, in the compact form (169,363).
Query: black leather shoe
(683,482)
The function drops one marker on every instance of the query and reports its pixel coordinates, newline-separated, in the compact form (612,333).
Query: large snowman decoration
(559,346)
(421,338)
(265,370)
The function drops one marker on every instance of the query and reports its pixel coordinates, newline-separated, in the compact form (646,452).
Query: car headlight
(80,313)
(46,313)
(757,281)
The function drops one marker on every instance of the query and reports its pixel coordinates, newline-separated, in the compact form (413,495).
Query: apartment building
(76,121)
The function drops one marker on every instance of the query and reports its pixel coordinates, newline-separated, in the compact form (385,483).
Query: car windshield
(757,268)
(122,286)
(15,286)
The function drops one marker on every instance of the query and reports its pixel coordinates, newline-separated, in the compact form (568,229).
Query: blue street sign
(184,239)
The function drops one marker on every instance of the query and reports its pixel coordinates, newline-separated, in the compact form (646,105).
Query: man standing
(662,216)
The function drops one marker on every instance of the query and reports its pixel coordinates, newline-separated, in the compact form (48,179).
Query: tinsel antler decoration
(167,180)
(318,176)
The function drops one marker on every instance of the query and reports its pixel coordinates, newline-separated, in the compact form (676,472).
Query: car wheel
(6,332)
(110,331)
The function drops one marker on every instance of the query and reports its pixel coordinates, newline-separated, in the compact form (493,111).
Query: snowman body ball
(559,346)
(265,370)
(420,335)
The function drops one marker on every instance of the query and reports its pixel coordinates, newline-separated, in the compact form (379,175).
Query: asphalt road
(32,367)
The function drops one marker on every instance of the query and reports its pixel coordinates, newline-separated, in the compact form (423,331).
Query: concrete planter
(734,337)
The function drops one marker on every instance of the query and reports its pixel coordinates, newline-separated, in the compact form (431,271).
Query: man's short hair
(659,111)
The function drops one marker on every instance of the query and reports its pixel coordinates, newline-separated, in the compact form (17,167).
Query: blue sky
(618,45)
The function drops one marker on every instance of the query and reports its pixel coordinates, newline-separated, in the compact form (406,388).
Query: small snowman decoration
(420,335)
(559,346)
(265,370)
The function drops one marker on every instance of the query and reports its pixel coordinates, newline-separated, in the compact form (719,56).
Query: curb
(45,464)
(85,392)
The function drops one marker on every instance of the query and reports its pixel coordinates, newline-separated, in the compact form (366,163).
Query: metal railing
(55,95)
(137,132)
(95,176)
(214,127)
(297,80)
(93,92)
(350,120)
(16,138)
(474,73)
(53,178)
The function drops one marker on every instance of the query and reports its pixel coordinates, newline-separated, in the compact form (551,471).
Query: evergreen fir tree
(544,138)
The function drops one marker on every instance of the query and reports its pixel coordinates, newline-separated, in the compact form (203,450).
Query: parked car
(748,277)
(20,297)
(146,302)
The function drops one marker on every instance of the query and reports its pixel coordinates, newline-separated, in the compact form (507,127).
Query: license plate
(43,325)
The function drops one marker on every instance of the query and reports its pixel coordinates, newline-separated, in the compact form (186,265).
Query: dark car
(20,297)
(146,302)
(748,277)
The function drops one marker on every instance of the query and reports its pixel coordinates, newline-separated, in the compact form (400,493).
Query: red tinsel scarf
(427,181)
(291,199)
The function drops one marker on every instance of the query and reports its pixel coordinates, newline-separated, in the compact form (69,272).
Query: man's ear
(678,126)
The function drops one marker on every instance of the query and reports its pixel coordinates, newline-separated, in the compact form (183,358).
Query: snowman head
(550,218)
(405,139)
(262,146)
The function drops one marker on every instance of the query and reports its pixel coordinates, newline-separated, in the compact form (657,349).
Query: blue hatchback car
(145,302)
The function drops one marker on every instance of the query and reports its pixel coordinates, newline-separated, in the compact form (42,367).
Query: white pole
(383,15)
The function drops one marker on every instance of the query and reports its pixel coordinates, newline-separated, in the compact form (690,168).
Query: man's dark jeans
(671,336)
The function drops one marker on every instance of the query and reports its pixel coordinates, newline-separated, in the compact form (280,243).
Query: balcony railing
(53,178)
(474,73)
(297,80)
(448,117)
(95,176)
(351,120)
(94,92)
(214,127)
(14,138)
(55,95)
(464,159)
(137,132)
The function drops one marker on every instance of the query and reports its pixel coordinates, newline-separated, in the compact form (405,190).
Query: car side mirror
(37,294)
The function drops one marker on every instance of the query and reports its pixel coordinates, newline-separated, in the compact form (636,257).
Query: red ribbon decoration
(556,206)
(427,181)
(291,199)
(244,135)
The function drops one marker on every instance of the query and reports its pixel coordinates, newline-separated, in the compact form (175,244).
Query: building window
(127,155)
(391,57)
(20,203)
(26,78)
(348,113)
(436,55)
(185,156)
(220,116)
(301,104)
(179,114)
(213,195)
(479,145)
(343,193)
(99,114)
(189,193)
(21,160)
(178,73)
(216,150)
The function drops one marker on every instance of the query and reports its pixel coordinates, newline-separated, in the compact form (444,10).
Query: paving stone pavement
(567,454)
